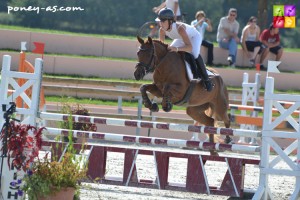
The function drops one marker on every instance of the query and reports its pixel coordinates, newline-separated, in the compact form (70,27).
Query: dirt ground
(281,186)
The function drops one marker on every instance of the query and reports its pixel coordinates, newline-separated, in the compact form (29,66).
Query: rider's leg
(203,73)
(191,60)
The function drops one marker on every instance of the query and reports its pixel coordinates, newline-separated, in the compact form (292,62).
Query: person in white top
(185,38)
(250,40)
(173,5)
(227,35)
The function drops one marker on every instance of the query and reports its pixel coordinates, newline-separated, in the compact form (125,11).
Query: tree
(262,14)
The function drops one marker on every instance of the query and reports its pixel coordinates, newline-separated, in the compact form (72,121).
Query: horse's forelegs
(153,89)
(166,101)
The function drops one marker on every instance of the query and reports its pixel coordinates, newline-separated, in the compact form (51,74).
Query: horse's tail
(226,94)
(221,104)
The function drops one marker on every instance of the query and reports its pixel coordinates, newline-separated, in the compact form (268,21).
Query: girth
(188,93)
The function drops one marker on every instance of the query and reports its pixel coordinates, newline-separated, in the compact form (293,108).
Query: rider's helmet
(165,14)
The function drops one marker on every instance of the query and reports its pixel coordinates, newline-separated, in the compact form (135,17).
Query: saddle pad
(189,71)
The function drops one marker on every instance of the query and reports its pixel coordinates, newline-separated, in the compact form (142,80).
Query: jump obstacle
(196,176)
(28,115)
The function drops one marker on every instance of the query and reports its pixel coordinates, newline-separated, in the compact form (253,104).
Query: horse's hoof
(214,153)
(168,108)
(228,140)
(154,107)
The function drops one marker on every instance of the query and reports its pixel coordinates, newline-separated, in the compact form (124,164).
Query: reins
(152,64)
(157,65)
(148,67)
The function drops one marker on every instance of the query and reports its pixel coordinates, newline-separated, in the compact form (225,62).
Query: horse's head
(146,60)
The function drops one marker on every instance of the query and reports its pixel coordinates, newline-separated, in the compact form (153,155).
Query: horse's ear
(141,41)
(150,39)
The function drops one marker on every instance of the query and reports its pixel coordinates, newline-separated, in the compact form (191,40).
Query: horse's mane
(159,42)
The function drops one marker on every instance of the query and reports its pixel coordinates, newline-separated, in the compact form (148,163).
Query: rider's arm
(162,35)
(188,45)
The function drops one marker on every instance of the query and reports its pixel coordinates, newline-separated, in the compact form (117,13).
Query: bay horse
(171,83)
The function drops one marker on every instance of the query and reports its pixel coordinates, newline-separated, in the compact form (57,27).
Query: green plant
(75,109)
(47,177)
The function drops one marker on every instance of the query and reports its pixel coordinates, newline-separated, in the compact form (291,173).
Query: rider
(185,38)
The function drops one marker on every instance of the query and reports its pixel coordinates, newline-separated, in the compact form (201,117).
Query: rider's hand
(172,49)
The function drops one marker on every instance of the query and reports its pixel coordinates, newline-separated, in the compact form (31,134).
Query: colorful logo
(284,16)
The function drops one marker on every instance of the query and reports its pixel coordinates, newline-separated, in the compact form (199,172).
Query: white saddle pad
(189,71)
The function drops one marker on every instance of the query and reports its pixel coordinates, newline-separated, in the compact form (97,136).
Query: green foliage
(114,17)
(47,177)
(75,110)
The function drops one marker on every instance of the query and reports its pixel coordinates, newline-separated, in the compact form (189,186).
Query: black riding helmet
(165,14)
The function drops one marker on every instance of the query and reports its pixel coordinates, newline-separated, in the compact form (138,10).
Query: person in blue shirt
(203,24)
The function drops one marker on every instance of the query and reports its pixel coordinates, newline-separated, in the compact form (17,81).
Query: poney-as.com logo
(284,16)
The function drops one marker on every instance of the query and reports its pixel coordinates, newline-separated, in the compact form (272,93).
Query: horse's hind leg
(226,121)
(221,115)
(198,114)
(153,89)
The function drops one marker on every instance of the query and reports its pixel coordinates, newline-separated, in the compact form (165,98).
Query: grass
(99,102)
(38,30)
(146,82)
(73,100)
(97,78)
(73,55)
(125,103)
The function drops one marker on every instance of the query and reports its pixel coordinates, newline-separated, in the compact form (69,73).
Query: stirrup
(208,85)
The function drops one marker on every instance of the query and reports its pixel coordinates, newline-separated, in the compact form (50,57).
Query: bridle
(148,67)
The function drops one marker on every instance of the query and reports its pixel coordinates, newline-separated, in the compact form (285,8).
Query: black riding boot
(203,73)
(191,60)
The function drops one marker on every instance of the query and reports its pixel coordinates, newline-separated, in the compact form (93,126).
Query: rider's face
(164,25)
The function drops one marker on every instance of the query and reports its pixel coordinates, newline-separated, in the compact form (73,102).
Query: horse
(171,83)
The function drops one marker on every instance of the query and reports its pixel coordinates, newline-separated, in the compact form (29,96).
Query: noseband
(148,67)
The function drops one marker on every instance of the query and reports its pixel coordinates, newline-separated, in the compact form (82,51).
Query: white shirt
(171,4)
(194,36)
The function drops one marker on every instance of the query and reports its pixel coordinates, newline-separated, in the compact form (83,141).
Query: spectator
(203,24)
(271,41)
(173,5)
(250,41)
(185,38)
(227,35)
